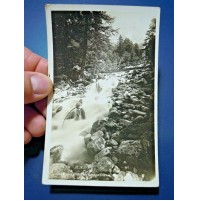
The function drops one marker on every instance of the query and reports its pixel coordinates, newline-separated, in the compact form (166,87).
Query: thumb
(36,86)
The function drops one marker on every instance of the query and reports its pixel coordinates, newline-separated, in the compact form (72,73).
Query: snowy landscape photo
(102,115)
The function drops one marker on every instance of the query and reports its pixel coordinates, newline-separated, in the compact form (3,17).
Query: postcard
(102,126)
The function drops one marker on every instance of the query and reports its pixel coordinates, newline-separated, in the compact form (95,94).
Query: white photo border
(80,7)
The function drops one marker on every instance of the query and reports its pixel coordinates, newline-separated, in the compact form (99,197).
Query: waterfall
(96,104)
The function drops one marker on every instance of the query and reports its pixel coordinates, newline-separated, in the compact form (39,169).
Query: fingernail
(40,83)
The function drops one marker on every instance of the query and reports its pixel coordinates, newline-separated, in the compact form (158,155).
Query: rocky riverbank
(65,88)
(120,146)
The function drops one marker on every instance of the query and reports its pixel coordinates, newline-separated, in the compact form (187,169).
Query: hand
(37,85)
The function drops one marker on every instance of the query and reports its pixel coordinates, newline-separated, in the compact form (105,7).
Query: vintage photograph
(102,115)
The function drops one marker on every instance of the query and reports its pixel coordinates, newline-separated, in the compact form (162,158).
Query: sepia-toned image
(102,115)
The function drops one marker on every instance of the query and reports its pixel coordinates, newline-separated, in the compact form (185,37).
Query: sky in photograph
(133,22)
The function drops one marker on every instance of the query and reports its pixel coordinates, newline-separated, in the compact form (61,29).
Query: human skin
(37,86)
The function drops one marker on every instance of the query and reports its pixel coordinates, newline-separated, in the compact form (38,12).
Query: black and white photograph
(102,115)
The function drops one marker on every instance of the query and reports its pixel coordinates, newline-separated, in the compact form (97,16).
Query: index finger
(34,62)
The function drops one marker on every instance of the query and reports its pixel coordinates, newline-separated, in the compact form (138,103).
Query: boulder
(141,93)
(125,122)
(134,99)
(126,167)
(87,138)
(85,82)
(130,111)
(80,168)
(115,147)
(144,109)
(126,116)
(113,109)
(111,142)
(115,93)
(97,125)
(97,135)
(132,177)
(138,129)
(55,153)
(114,159)
(126,94)
(61,171)
(143,81)
(138,119)
(114,114)
(132,137)
(101,76)
(130,148)
(102,153)
(100,177)
(137,112)
(116,136)
(129,106)
(137,107)
(56,109)
(95,146)
(105,165)
(81,176)
(119,177)
(116,170)
(120,97)
(111,125)
(118,102)
(106,136)
(119,128)
(134,92)
(103,129)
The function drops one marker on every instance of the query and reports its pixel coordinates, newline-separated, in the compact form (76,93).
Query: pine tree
(120,46)
(75,34)
(149,43)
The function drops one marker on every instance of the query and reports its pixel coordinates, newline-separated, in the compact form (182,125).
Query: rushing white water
(96,105)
